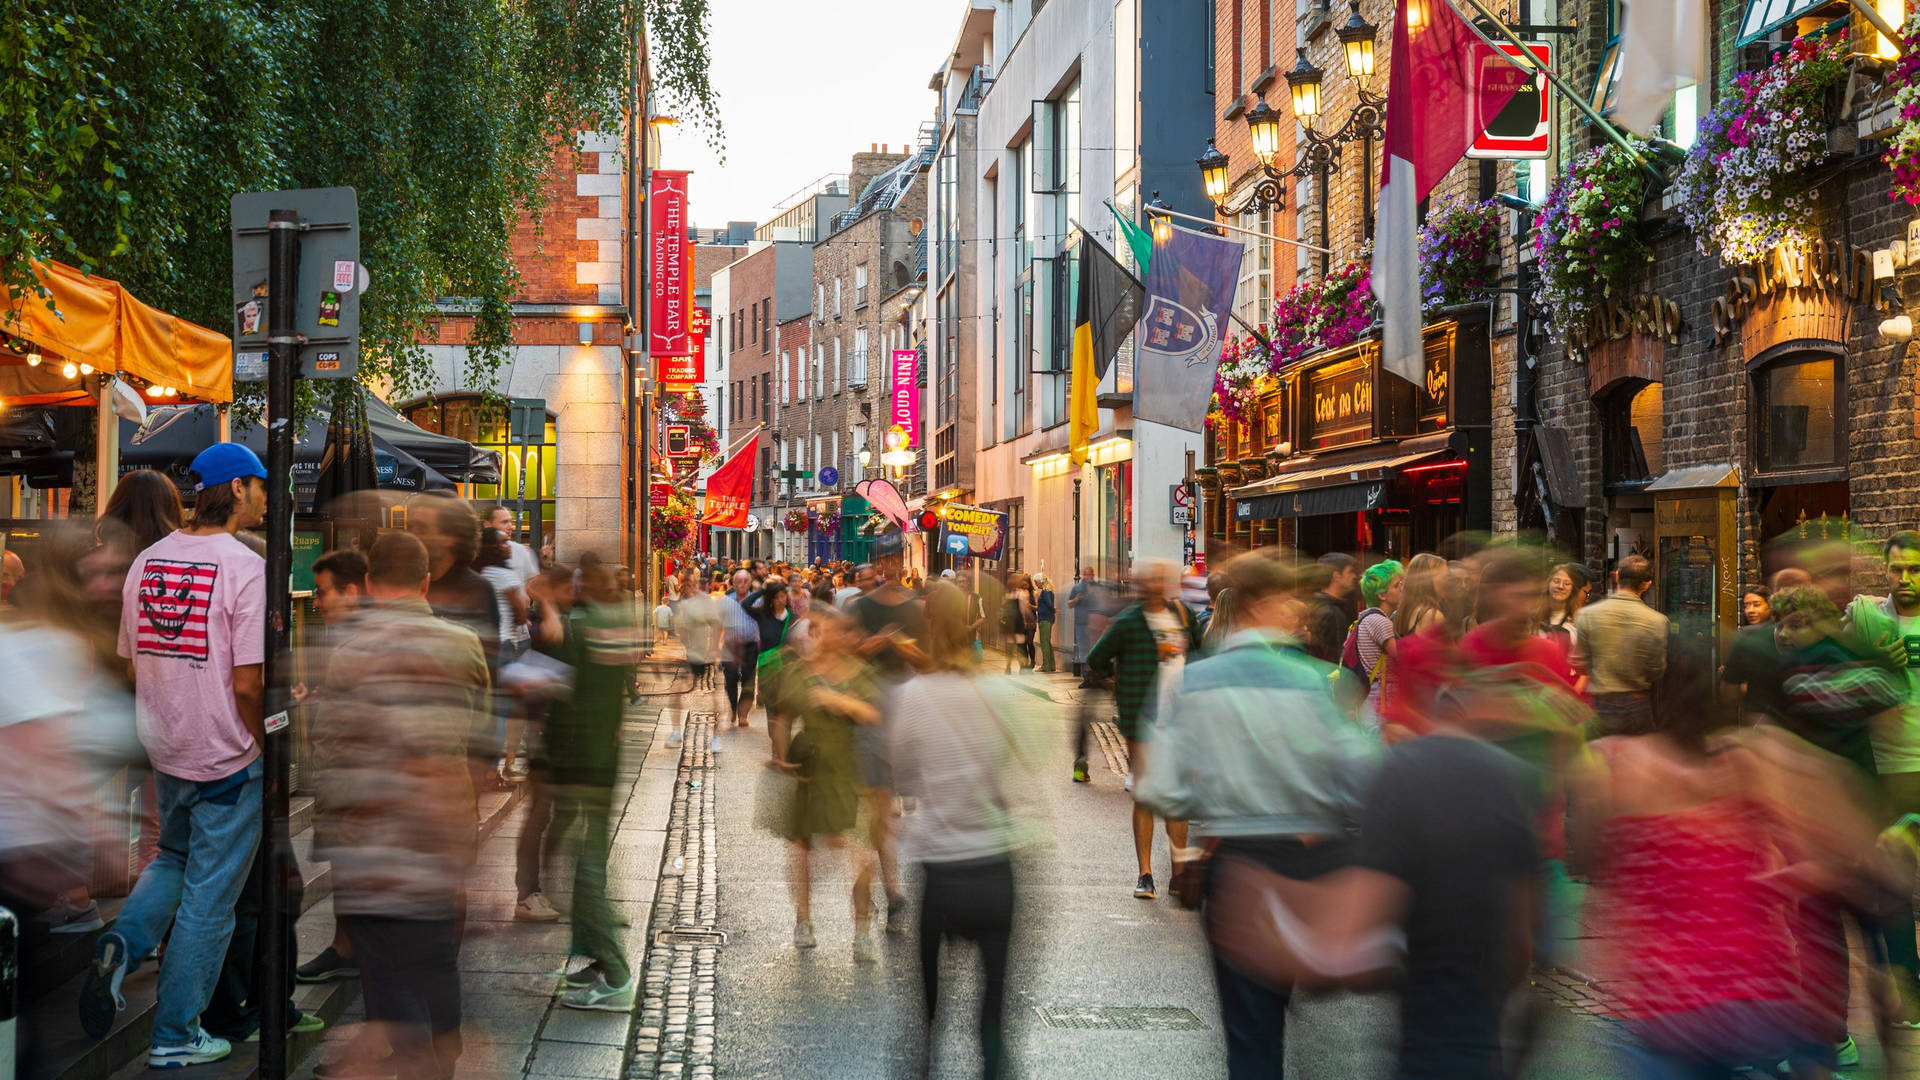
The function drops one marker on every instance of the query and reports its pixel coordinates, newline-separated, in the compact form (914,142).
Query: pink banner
(669,265)
(903,430)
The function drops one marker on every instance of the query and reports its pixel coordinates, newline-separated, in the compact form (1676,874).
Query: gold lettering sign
(1619,317)
(1340,400)
(1793,280)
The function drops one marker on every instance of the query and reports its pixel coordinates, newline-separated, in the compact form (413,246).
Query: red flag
(730,488)
(1445,85)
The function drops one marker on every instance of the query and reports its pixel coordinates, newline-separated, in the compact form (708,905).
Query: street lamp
(1357,38)
(1159,220)
(866,457)
(1263,125)
(1304,82)
(1213,172)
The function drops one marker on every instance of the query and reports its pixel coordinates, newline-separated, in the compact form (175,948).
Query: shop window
(1631,415)
(1798,422)
(529,472)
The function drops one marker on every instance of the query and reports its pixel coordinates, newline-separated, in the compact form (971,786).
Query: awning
(1697,478)
(1317,486)
(1763,17)
(95,321)
(456,459)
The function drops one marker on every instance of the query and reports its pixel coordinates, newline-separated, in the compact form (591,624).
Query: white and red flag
(1445,86)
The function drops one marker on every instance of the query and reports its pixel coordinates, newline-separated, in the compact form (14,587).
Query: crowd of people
(1367,773)
(447,662)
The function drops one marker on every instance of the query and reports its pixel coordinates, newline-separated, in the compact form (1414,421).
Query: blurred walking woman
(962,748)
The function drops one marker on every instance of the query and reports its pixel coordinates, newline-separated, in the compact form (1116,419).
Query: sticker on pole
(343,277)
(277,722)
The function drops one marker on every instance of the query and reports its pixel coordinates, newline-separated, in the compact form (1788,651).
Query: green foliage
(132,122)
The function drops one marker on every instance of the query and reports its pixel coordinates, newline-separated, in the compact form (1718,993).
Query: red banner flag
(1446,86)
(669,266)
(730,488)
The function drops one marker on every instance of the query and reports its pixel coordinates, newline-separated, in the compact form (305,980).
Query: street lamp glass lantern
(1213,172)
(1304,81)
(1357,38)
(1263,124)
(1158,220)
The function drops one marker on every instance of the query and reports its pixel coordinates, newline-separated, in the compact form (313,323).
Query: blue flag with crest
(1190,285)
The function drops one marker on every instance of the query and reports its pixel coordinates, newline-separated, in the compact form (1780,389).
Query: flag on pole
(1663,48)
(1105,310)
(1445,85)
(1138,239)
(1177,349)
(730,489)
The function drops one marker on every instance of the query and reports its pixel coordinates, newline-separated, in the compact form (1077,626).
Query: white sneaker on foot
(713,745)
(803,935)
(601,996)
(535,909)
(202,1049)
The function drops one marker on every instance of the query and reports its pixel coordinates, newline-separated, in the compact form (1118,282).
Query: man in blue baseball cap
(193,624)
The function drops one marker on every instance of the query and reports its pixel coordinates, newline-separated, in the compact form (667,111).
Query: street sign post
(300,304)
(1182,505)
(327,283)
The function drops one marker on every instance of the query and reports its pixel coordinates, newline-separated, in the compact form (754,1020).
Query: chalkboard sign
(307,549)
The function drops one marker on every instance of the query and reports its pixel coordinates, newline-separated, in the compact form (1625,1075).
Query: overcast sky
(802,87)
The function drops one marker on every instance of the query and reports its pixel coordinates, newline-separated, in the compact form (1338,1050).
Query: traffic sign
(829,476)
(329,279)
(1181,503)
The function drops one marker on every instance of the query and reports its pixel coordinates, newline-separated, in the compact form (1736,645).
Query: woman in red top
(1708,846)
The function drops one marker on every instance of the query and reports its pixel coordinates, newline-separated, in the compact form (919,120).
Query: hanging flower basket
(1748,184)
(1903,145)
(796,521)
(1310,318)
(1588,236)
(827,522)
(1459,248)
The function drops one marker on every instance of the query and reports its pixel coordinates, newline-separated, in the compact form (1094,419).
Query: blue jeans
(206,848)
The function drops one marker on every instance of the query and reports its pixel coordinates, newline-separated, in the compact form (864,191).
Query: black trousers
(740,677)
(233,1013)
(1254,1014)
(410,974)
(972,900)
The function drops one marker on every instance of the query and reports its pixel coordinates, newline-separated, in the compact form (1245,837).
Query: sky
(802,87)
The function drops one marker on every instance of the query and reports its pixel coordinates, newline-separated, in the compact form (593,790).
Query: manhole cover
(1119,1018)
(690,935)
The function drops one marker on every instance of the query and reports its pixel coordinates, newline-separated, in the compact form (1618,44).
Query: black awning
(1313,502)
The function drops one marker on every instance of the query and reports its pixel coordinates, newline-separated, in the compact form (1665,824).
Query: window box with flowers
(1748,184)
(1310,318)
(1459,252)
(1588,236)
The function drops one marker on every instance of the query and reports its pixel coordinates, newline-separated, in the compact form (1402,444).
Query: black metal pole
(9,993)
(1324,180)
(283,238)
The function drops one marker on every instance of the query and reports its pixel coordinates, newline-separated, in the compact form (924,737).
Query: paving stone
(575,1025)
(554,1058)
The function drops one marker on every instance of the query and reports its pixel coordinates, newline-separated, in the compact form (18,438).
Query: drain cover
(690,935)
(1119,1018)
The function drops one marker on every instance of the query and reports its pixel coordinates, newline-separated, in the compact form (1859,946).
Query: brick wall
(1233,87)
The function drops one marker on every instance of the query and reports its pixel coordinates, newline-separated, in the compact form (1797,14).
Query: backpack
(1350,651)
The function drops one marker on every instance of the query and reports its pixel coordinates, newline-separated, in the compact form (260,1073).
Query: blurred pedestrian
(1335,605)
(1258,753)
(339,594)
(451,532)
(194,629)
(1016,611)
(1620,645)
(602,644)
(404,691)
(1567,590)
(1143,651)
(1044,616)
(893,627)
(11,571)
(1754,607)
(1081,604)
(699,631)
(740,644)
(962,745)
(826,698)
(520,558)
(1367,652)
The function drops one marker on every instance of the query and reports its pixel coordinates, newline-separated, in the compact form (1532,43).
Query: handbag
(1263,924)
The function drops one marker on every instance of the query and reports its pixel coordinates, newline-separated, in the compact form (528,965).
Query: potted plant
(1588,237)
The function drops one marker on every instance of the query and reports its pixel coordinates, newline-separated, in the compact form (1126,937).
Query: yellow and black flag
(1105,311)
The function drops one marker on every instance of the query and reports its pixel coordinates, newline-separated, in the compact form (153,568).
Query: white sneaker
(203,1049)
(863,948)
(1129,780)
(803,935)
(713,745)
(674,737)
(535,909)
(602,997)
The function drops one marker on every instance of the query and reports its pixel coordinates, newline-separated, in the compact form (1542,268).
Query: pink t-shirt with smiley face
(193,609)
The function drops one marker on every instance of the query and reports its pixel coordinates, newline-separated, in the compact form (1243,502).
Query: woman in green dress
(826,697)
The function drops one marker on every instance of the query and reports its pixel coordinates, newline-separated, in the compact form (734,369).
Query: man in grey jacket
(1259,755)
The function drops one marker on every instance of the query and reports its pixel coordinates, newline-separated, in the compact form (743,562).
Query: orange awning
(95,321)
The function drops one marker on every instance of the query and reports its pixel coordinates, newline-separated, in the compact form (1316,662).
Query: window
(753,324)
(1799,422)
(859,286)
(1126,54)
(857,374)
(766,395)
(819,300)
(1254,297)
(819,372)
(529,472)
(1606,85)
(786,385)
(836,297)
(766,325)
(837,384)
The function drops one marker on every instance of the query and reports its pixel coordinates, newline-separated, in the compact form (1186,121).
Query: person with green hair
(1368,650)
